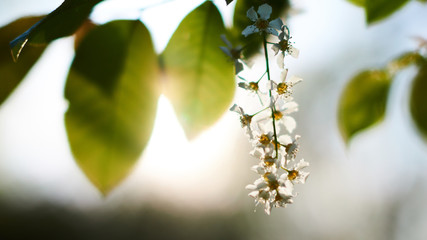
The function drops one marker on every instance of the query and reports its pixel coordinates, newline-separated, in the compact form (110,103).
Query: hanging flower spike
(269,132)
(261,23)
(284,46)
(235,53)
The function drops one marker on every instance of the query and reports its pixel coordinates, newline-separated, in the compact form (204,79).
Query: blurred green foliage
(377,10)
(363,102)
(199,78)
(418,100)
(63,21)
(12,73)
(112,90)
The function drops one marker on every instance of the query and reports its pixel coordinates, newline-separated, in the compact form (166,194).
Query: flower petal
(237,109)
(226,51)
(294,80)
(244,85)
(281,60)
(264,11)
(249,30)
(290,123)
(276,23)
(272,31)
(252,15)
(225,40)
(238,66)
(301,164)
(294,52)
(283,75)
(276,48)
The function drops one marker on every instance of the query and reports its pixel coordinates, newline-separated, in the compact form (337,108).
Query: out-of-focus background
(374,188)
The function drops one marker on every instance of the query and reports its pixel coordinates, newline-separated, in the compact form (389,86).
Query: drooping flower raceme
(270,129)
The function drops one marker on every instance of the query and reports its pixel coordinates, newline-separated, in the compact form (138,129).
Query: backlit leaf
(12,73)
(63,21)
(200,80)
(379,9)
(363,102)
(418,100)
(112,89)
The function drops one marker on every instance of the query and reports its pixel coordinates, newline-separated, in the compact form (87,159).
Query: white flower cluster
(270,129)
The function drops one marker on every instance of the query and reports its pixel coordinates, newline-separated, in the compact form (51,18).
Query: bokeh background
(373,188)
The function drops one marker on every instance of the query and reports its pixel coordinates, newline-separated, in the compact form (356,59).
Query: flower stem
(272,106)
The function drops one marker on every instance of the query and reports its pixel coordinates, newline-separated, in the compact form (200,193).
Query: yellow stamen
(292,174)
(282,88)
(277,115)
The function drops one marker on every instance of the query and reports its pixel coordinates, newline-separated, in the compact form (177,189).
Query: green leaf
(379,9)
(83,30)
(363,102)
(63,21)
(112,89)
(404,61)
(253,42)
(360,3)
(200,80)
(12,73)
(418,100)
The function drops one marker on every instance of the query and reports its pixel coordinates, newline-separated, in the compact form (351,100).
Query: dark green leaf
(418,100)
(363,102)
(12,73)
(63,21)
(83,30)
(253,42)
(228,1)
(405,60)
(112,90)
(360,3)
(200,80)
(379,9)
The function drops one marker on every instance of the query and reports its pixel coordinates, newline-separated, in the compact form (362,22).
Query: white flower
(265,141)
(235,53)
(261,193)
(284,46)
(250,86)
(296,175)
(283,109)
(267,161)
(261,23)
(284,87)
(245,119)
(291,147)
(284,191)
